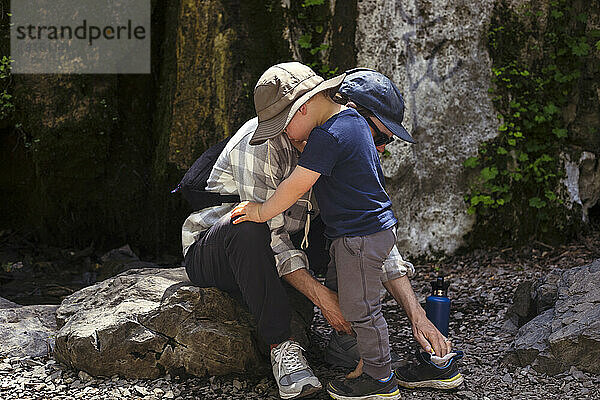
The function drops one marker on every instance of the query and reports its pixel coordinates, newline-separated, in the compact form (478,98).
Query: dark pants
(238,260)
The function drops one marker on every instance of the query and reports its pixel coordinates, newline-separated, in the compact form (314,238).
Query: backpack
(193,183)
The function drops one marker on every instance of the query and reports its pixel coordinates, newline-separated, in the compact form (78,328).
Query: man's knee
(250,233)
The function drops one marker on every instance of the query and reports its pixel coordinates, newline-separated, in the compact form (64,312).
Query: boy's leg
(238,260)
(359,263)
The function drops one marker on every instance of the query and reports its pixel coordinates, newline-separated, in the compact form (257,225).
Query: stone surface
(4,303)
(436,54)
(569,333)
(143,323)
(533,298)
(26,331)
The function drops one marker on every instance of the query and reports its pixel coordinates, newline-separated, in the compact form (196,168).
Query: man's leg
(238,260)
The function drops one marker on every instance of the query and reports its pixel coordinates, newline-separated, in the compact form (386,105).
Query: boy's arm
(287,193)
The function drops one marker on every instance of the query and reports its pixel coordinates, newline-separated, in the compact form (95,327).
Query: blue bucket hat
(378,94)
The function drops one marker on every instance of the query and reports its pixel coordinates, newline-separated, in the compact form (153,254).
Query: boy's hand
(246,211)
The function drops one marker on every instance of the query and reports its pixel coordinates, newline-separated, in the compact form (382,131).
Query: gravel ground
(482,286)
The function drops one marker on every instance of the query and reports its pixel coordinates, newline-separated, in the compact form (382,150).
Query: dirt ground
(482,286)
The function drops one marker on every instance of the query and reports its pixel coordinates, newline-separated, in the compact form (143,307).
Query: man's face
(299,127)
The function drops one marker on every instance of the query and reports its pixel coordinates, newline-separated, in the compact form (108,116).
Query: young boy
(341,162)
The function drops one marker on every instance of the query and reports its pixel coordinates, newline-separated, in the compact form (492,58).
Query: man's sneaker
(342,351)
(362,388)
(426,374)
(292,373)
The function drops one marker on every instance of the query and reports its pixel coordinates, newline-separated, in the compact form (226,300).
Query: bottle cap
(439,287)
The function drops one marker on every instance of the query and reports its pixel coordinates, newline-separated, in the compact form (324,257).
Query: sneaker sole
(444,384)
(387,396)
(306,390)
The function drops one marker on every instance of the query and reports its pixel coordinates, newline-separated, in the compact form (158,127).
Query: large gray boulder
(568,334)
(436,53)
(143,323)
(26,331)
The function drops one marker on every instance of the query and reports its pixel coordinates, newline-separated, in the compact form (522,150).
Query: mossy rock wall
(93,157)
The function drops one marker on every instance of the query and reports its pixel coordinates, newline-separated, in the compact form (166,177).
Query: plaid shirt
(253,173)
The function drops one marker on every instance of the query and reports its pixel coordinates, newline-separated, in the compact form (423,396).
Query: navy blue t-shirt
(350,190)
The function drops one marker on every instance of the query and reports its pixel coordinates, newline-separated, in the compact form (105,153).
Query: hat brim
(270,128)
(396,128)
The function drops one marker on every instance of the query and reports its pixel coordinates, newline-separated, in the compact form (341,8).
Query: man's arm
(423,330)
(321,296)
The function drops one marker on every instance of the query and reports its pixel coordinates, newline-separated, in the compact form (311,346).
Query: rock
(444,77)
(533,298)
(123,255)
(575,337)
(146,322)
(567,335)
(120,260)
(26,331)
(4,303)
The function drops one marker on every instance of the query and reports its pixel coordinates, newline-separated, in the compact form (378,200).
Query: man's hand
(246,211)
(323,297)
(423,330)
(428,335)
(330,307)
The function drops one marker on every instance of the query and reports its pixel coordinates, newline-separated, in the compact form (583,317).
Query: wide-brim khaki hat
(280,92)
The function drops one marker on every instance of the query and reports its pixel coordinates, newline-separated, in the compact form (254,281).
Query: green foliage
(313,19)
(519,171)
(6,101)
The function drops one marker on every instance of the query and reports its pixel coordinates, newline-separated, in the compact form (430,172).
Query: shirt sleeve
(320,153)
(395,266)
(260,169)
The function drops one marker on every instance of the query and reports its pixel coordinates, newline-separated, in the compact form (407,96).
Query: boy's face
(383,129)
(300,125)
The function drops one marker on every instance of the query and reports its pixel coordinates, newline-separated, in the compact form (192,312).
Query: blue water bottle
(437,306)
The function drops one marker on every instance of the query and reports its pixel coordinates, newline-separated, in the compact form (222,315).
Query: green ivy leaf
(560,132)
(550,109)
(471,162)
(550,195)
(512,142)
(501,150)
(536,202)
(523,157)
(319,28)
(489,173)
(304,41)
(556,14)
(308,3)
(580,49)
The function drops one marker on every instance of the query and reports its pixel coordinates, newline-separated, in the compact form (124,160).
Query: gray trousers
(358,262)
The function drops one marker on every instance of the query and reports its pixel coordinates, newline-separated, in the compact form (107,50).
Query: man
(248,260)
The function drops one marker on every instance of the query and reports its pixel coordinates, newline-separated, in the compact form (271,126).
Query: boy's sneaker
(342,351)
(426,374)
(362,388)
(292,373)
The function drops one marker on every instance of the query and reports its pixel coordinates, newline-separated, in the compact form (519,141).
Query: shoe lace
(289,357)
